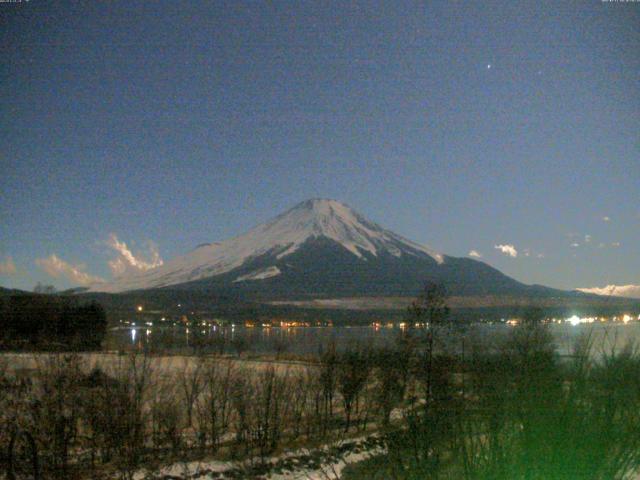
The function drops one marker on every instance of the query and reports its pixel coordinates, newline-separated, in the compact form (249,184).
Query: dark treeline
(34,321)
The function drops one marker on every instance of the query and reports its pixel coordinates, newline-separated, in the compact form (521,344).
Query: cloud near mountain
(7,267)
(126,262)
(629,291)
(507,250)
(57,268)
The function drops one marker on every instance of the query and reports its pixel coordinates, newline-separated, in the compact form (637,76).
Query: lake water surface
(312,340)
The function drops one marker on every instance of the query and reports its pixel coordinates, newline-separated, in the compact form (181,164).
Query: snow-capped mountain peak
(338,222)
(282,236)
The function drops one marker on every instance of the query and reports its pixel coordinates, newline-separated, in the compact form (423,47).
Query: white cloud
(629,291)
(475,254)
(56,267)
(615,244)
(587,238)
(575,245)
(526,252)
(126,262)
(507,250)
(540,255)
(7,267)
(606,219)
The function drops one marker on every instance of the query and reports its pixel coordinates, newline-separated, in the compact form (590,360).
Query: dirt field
(25,362)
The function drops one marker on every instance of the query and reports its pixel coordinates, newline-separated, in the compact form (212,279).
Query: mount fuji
(318,249)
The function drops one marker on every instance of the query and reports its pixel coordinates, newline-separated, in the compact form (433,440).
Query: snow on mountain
(280,237)
(259,274)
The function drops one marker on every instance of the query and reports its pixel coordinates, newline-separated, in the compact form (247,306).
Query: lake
(311,340)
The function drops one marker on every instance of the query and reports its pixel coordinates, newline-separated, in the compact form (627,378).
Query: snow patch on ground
(325,463)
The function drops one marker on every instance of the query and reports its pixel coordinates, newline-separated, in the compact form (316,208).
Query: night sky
(134,131)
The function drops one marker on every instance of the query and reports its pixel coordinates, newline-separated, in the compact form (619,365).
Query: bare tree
(353,372)
(135,379)
(44,289)
(191,384)
(167,416)
(213,407)
(391,377)
(58,410)
(327,381)
(429,310)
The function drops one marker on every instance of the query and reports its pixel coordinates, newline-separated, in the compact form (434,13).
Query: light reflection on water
(312,340)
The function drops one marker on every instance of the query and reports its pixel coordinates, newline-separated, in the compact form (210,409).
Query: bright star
(488,66)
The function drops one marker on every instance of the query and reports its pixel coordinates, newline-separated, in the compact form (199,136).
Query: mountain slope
(321,248)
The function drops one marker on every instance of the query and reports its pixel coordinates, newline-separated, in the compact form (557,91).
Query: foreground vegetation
(518,411)
(444,406)
(61,421)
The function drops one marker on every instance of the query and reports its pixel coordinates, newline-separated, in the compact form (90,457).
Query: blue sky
(460,125)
